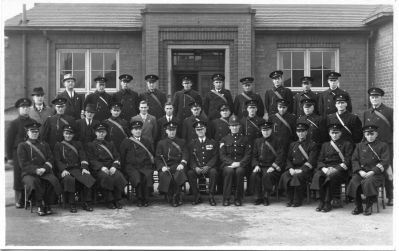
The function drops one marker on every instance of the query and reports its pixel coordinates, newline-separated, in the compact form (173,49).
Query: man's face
(115,112)
(302,134)
(371,136)
(333,83)
(308,109)
(24,110)
(100,86)
(252,111)
(196,110)
(151,85)
(89,115)
(169,110)
(341,105)
(277,81)
(33,134)
(306,86)
(38,99)
(225,113)
(218,84)
(335,135)
(69,84)
(234,129)
(187,85)
(200,132)
(60,109)
(247,87)
(171,133)
(375,100)
(143,109)
(282,109)
(266,132)
(100,135)
(124,85)
(136,132)
(68,136)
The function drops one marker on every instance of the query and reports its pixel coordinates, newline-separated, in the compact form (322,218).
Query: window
(296,63)
(85,65)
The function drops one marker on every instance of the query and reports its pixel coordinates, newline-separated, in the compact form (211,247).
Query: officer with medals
(171,160)
(117,126)
(306,93)
(369,161)
(267,162)
(104,161)
(36,162)
(101,99)
(188,132)
(154,97)
(317,125)
(235,155)
(301,159)
(73,168)
(74,101)
(240,109)
(203,155)
(127,97)
(137,156)
(183,99)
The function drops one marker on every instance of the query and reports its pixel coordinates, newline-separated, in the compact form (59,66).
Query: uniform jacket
(219,128)
(52,130)
(181,103)
(203,154)
(150,126)
(84,132)
(298,108)
(295,158)
(134,156)
(385,132)
(262,156)
(99,157)
(240,108)
(29,160)
(161,129)
(271,97)
(16,134)
(115,134)
(188,132)
(102,105)
(212,102)
(365,159)
(235,148)
(351,121)
(317,127)
(250,127)
(41,116)
(329,156)
(75,105)
(66,159)
(170,153)
(154,108)
(327,104)
(281,131)
(130,101)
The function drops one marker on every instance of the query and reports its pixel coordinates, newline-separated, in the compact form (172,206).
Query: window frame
(88,78)
(306,63)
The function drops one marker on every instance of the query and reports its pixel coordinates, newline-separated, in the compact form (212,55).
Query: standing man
(382,116)
(240,109)
(39,111)
(277,92)
(326,98)
(217,97)
(52,130)
(189,132)
(101,99)
(317,125)
(127,97)
(220,126)
(84,127)
(306,93)
(235,155)
(16,134)
(166,119)
(154,97)
(117,127)
(183,99)
(150,126)
(74,101)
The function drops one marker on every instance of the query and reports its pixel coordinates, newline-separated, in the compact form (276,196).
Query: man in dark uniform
(137,156)
(301,159)
(217,97)
(240,109)
(189,132)
(317,125)
(52,130)
(101,99)
(166,119)
(74,101)
(36,162)
(117,127)
(235,155)
(127,97)
(350,122)
(332,168)
(39,111)
(104,161)
(171,160)
(306,93)
(183,99)
(73,168)
(382,116)
(369,161)
(84,127)
(326,99)
(277,92)
(267,162)
(16,134)
(283,124)
(203,155)
(154,97)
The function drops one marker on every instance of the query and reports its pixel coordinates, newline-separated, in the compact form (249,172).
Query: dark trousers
(295,193)
(231,175)
(263,182)
(142,190)
(193,176)
(330,188)
(17,185)
(85,192)
(388,186)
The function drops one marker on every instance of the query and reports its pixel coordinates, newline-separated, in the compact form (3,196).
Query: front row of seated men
(177,161)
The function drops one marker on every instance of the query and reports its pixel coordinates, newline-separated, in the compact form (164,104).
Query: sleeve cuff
(84,162)
(275,166)
(343,166)
(49,164)
(308,165)
(380,166)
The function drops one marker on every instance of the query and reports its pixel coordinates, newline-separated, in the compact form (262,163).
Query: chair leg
(382,196)
(308,192)
(26,199)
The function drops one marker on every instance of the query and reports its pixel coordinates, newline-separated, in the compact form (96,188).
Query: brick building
(238,40)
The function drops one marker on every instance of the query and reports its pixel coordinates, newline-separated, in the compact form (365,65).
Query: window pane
(65,61)
(96,61)
(110,61)
(317,78)
(329,60)
(287,78)
(95,74)
(315,60)
(297,60)
(78,61)
(80,79)
(285,60)
(111,79)
(296,79)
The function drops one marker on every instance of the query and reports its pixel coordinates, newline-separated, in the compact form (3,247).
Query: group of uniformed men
(108,141)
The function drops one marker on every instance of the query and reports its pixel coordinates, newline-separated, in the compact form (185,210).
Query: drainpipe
(24,57)
(370,36)
(48,44)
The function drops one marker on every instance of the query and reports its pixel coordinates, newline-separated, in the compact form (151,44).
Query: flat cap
(38,91)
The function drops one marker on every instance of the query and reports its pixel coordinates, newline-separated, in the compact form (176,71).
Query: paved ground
(201,225)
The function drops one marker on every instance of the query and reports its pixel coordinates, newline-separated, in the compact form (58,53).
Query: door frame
(201,47)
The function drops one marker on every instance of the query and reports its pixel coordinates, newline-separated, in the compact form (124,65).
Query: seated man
(36,162)
(267,162)
(72,165)
(203,158)
(170,162)
(301,159)
(332,168)
(104,161)
(138,162)
(369,160)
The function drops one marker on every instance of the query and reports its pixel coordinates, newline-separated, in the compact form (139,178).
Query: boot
(369,206)
(320,206)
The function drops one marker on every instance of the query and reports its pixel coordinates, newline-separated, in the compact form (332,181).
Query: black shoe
(139,203)
(226,203)
(390,202)
(145,203)
(367,211)
(336,203)
(266,201)
(296,204)
(320,206)
(238,203)
(258,202)
(73,208)
(41,211)
(212,201)
(111,205)
(175,201)
(357,210)
(118,205)
(48,210)
(87,207)
(19,205)
(289,204)
(197,200)
(327,207)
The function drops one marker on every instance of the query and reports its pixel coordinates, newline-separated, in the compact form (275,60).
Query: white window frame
(88,78)
(306,63)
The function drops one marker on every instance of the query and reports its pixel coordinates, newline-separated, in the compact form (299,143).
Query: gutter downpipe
(48,44)
(24,57)
(368,67)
